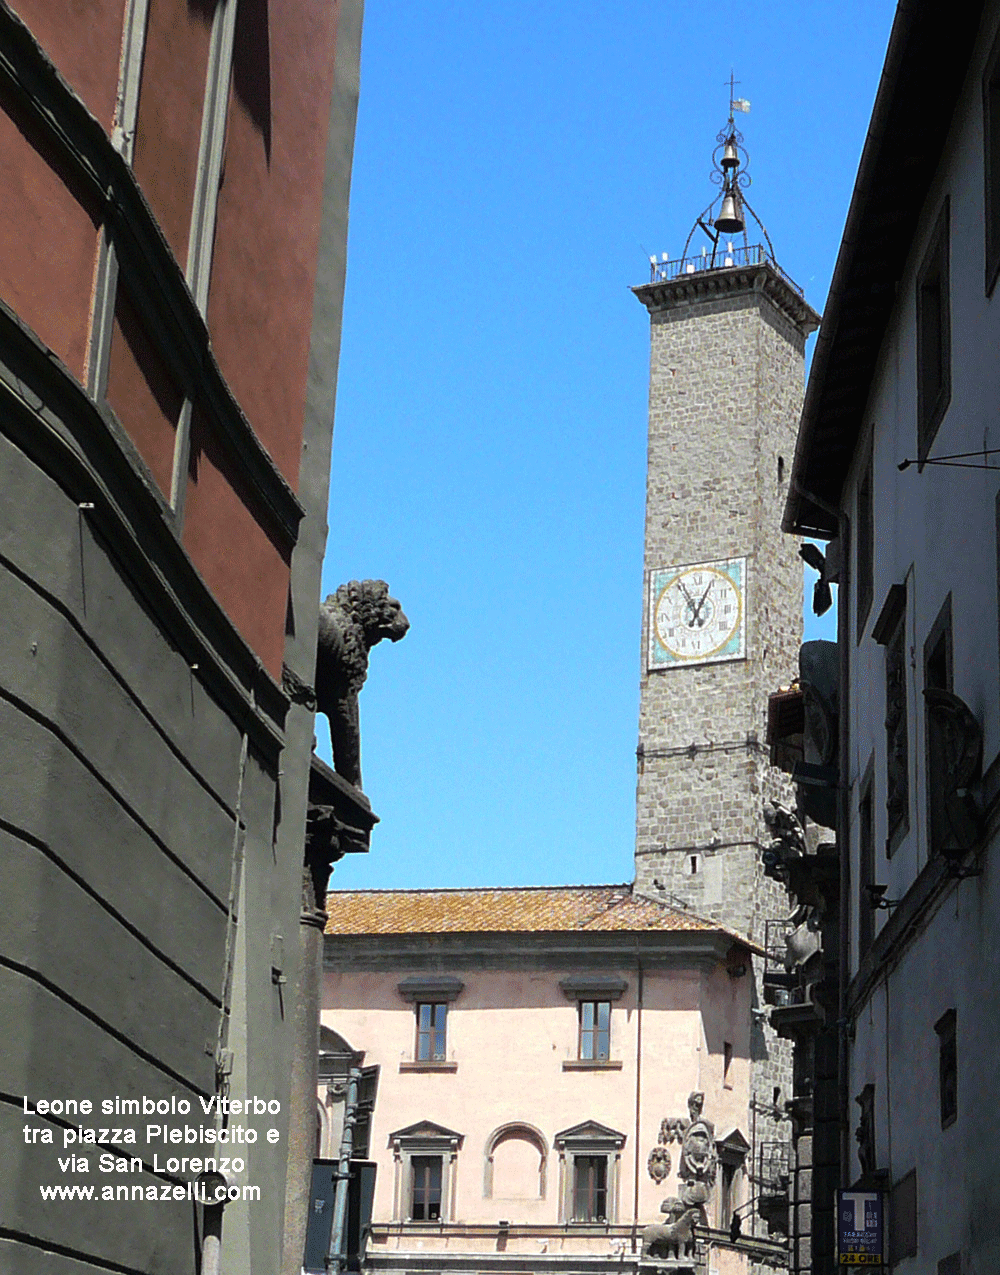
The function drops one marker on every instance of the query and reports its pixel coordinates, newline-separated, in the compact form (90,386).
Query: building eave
(925,68)
(552,949)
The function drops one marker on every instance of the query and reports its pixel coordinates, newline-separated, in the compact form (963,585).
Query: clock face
(697,613)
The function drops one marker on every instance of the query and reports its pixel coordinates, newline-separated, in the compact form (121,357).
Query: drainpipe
(207,1189)
(333,1257)
(638,1093)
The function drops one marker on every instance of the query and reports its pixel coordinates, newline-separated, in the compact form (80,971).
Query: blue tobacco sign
(862,1229)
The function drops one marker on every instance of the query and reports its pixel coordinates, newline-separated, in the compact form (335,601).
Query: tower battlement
(690,280)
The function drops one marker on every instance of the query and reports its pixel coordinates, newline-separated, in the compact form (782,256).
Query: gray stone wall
(726,374)
(726,384)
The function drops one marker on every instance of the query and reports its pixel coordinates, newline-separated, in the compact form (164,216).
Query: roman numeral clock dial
(697,613)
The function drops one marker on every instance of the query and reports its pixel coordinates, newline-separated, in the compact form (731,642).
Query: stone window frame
(423,1170)
(430,989)
(587,1140)
(727,1064)
(590,1181)
(424,1139)
(933,300)
(732,1151)
(991,164)
(903,1208)
(593,1040)
(432,1031)
(865,544)
(889,630)
(593,988)
(939,674)
(866,860)
(515,1129)
(947,1033)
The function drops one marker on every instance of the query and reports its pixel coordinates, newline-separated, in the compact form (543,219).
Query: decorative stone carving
(674,1238)
(298,691)
(659,1163)
(322,849)
(672,1129)
(351,621)
(788,840)
(865,1132)
(699,1160)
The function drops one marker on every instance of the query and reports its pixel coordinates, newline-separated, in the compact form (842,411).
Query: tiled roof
(544,908)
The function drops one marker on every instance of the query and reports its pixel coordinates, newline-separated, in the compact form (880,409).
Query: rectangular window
(903,1218)
(937,676)
(590,1188)
(947,1068)
(431,1031)
(866,549)
(727,1065)
(889,630)
(991,164)
(595,1030)
(425,1199)
(866,866)
(933,337)
(727,1195)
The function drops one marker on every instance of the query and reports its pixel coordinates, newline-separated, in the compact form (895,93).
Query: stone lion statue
(351,621)
(674,1238)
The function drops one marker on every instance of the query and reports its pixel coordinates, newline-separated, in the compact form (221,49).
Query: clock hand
(702,603)
(692,607)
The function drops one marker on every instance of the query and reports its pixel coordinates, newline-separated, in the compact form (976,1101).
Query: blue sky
(515,166)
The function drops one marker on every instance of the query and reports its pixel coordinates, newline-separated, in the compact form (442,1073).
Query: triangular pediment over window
(589,1132)
(733,1147)
(426,1130)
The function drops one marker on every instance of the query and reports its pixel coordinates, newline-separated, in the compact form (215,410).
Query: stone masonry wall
(725,392)
(726,384)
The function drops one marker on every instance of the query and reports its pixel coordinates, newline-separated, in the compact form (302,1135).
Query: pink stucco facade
(512,1102)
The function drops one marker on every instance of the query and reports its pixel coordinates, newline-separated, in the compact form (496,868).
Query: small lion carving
(674,1238)
(351,621)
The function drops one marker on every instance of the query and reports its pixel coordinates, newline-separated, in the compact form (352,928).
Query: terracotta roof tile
(545,908)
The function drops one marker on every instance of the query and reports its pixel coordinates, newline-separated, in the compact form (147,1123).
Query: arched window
(515,1163)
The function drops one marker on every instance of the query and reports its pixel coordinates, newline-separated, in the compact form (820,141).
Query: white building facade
(906,370)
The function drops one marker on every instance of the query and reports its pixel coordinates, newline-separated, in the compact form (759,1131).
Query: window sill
(430,1064)
(592,1064)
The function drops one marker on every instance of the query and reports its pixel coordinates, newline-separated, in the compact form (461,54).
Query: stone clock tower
(722,615)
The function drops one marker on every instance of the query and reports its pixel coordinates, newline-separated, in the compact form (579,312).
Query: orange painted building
(172,259)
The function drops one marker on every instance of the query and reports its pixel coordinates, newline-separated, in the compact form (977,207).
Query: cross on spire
(735,103)
(732,82)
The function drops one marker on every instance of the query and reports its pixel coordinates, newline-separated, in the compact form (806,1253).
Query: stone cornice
(150,269)
(698,950)
(686,290)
